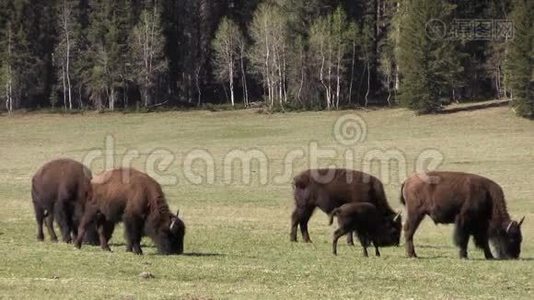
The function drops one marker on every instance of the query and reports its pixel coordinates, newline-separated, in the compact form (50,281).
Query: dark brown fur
(138,201)
(367,222)
(328,189)
(473,203)
(59,191)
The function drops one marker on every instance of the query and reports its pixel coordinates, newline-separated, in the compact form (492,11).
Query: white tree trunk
(352,70)
(112,100)
(243,76)
(9,100)
(231,78)
(338,77)
(368,84)
(66,14)
(63,81)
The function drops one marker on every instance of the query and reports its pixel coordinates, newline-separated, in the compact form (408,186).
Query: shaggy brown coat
(328,189)
(138,201)
(475,205)
(367,222)
(59,191)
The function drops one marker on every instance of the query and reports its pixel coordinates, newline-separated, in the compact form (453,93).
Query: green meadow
(237,239)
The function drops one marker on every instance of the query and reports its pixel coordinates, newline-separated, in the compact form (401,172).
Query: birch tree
(147,48)
(228,50)
(330,42)
(63,50)
(268,55)
(6,75)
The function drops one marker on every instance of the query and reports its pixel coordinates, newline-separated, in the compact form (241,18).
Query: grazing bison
(473,203)
(331,188)
(59,191)
(137,200)
(367,222)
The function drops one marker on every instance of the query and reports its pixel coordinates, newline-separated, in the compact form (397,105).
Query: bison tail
(332,215)
(402,200)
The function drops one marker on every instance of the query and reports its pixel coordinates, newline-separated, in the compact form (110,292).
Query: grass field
(237,241)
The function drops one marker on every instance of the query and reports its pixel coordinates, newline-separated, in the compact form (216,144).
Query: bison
(59,191)
(331,188)
(367,222)
(475,205)
(137,200)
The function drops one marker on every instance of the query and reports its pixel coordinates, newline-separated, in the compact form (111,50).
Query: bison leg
(305,217)
(412,222)
(134,231)
(482,241)
(337,234)
(300,217)
(50,227)
(350,239)
(39,217)
(105,230)
(294,224)
(364,246)
(377,252)
(61,212)
(461,239)
(88,218)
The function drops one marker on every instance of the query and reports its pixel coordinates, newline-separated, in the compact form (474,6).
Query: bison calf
(369,224)
(328,189)
(138,201)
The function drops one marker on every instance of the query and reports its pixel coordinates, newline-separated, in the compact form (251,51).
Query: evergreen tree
(427,63)
(520,59)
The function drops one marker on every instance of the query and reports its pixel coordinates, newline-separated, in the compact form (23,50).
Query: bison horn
(509,226)
(172,223)
(397,216)
(522,219)
(177,213)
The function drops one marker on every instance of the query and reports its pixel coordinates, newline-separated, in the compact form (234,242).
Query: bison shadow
(198,254)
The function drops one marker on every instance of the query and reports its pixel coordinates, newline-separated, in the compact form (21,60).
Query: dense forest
(283,54)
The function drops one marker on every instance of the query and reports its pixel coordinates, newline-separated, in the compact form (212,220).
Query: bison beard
(138,201)
(473,203)
(60,189)
(368,223)
(331,188)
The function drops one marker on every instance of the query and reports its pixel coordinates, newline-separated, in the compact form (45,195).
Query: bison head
(390,231)
(511,242)
(172,236)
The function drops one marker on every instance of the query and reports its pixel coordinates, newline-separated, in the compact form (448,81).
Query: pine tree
(16,60)
(520,59)
(427,64)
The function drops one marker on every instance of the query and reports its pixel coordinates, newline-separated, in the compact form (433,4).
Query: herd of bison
(88,207)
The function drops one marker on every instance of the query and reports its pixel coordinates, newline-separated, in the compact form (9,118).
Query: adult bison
(475,205)
(59,191)
(328,189)
(138,201)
